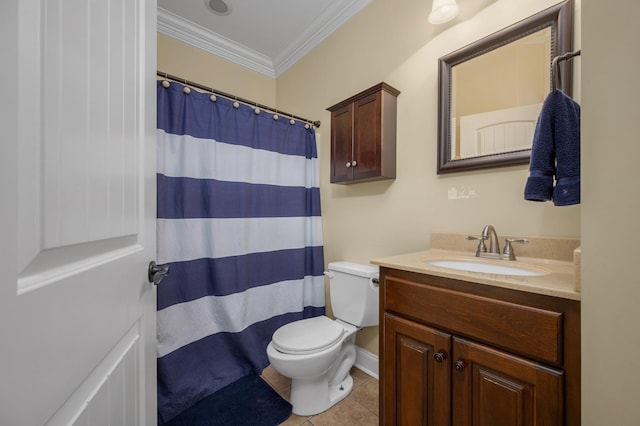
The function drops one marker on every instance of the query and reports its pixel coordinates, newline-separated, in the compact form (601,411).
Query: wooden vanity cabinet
(460,353)
(363,136)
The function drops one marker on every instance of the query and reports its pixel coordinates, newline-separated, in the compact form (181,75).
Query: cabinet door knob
(459,366)
(348,164)
(439,356)
(354,163)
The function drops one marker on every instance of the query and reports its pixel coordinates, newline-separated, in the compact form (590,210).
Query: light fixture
(219,7)
(443,11)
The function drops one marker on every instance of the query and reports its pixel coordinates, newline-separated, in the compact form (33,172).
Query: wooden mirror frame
(559,18)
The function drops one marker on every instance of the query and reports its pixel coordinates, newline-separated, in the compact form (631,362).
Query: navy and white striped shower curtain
(239,224)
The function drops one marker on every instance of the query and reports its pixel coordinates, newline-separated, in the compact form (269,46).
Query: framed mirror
(492,90)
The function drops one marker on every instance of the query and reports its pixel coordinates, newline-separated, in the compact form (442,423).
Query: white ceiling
(267,36)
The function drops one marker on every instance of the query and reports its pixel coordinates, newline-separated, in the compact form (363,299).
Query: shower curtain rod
(186,82)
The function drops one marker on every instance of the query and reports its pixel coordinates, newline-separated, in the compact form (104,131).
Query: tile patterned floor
(360,408)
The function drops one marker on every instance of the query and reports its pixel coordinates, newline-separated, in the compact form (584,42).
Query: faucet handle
(482,248)
(508,250)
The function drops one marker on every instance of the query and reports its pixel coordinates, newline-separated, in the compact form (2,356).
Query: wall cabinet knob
(348,164)
(354,163)
(459,366)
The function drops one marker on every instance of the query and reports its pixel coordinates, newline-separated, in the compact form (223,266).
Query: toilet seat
(307,336)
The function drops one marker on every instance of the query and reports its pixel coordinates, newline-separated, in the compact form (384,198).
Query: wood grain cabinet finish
(363,136)
(460,353)
(419,384)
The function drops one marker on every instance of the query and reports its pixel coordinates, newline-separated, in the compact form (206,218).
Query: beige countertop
(557,279)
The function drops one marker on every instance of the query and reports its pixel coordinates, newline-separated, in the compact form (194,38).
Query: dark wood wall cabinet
(460,353)
(363,136)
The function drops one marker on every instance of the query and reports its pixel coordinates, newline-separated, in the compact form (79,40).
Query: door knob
(459,366)
(157,272)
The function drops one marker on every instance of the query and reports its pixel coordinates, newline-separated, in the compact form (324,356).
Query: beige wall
(610,212)
(385,42)
(191,63)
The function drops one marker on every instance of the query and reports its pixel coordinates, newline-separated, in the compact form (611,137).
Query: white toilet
(317,353)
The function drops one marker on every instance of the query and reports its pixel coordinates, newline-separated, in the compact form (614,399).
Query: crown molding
(195,35)
(325,24)
(179,28)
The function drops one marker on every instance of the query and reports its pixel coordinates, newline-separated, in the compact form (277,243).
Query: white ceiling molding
(325,24)
(179,28)
(186,31)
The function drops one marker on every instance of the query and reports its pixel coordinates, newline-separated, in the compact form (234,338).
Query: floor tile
(277,381)
(360,408)
(367,395)
(346,412)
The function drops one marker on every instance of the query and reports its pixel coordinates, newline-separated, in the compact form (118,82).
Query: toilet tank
(354,293)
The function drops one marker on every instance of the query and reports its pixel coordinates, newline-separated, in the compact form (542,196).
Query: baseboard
(367,362)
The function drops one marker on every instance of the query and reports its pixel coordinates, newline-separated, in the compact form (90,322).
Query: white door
(77,208)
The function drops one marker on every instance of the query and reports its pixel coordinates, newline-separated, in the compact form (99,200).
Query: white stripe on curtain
(212,313)
(228,162)
(235,236)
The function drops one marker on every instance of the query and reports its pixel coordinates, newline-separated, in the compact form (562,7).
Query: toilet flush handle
(328,274)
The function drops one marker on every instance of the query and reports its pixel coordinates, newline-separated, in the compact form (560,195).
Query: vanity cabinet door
(494,388)
(416,374)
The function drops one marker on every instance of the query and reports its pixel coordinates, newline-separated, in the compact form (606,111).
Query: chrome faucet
(493,252)
(490,233)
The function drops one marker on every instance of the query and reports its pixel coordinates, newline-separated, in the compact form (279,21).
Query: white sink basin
(485,267)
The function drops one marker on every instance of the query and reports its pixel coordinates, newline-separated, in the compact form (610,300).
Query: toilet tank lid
(369,271)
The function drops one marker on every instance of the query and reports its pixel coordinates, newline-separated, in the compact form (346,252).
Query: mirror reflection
(496,97)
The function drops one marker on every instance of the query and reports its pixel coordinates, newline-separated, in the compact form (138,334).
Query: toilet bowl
(318,353)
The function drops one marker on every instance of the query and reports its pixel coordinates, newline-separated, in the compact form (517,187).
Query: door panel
(494,388)
(78,216)
(417,388)
(368,136)
(342,144)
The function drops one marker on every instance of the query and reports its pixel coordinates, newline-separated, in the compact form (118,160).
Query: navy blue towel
(555,153)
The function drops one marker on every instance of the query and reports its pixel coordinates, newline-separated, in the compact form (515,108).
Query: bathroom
(376,219)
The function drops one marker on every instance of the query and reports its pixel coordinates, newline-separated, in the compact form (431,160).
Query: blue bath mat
(249,401)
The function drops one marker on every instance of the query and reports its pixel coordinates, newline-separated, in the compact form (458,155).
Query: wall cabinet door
(363,136)
(417,374)
(342,144)
(367,137)
(494,388)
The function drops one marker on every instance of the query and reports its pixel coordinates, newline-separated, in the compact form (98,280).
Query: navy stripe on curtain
(184,198)
(239,225)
